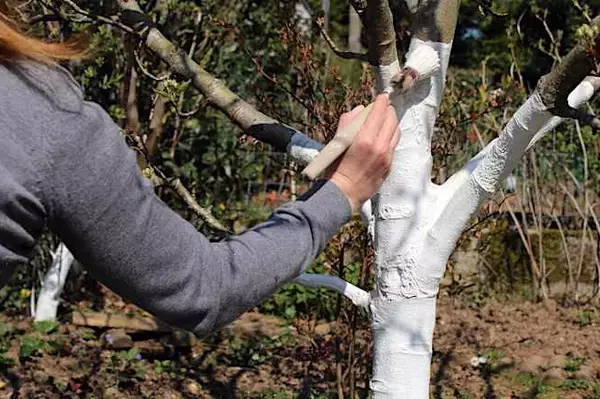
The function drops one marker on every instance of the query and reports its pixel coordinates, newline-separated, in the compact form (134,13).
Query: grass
(573,384)
(573,364)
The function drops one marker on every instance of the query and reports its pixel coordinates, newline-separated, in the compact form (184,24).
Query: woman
(63,165)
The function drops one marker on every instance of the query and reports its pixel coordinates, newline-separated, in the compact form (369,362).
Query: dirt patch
(528,350)
(481,350)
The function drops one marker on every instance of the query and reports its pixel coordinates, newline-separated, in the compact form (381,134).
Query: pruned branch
(358,296)
(578,97)
(582,61)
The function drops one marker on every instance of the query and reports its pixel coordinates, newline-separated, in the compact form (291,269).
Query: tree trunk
(354,31)
(326,6)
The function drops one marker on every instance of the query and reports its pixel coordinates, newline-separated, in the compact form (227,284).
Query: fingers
(356,110)
(347,117)
(395,139)
(376,118)
(389,126)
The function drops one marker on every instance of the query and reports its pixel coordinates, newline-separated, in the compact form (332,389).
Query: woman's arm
(110,218)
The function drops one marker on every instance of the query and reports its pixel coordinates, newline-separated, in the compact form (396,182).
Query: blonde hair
(16,45)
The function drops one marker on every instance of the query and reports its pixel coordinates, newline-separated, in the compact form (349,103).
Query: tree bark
(354,31)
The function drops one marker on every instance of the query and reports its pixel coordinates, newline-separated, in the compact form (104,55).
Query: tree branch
(340,53)
(434,20)
(252,121)
(158,178)
(578,97)
(382,42)
(177,186)
(467,189)
(349,55)
(555,87)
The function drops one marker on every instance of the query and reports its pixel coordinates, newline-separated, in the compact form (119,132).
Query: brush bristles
(424,60)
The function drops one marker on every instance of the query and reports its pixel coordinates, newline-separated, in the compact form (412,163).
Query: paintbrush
(420,64)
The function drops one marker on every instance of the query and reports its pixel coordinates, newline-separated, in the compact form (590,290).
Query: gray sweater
(64,165)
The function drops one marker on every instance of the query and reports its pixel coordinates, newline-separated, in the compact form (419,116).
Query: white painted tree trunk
(407,268)
(416,225)
(53,284)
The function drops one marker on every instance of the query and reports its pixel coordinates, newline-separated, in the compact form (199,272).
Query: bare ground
(481,350)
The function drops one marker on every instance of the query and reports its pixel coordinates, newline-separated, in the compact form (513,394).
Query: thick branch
(381,34)
(434,20)
(558,93)
(468,188)
(578,97)
(252,121)
(556,87)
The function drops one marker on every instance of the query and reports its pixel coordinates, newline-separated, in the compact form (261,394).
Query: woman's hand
(362,169)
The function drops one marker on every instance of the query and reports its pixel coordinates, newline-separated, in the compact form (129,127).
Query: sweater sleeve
(108,215)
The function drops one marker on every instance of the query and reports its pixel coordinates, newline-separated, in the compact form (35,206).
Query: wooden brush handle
(337,146)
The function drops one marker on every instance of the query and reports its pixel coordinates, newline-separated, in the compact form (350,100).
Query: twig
(349,55)
(158,178)
(488,5)
(100,18)
(340,53)
(586,201)
(146,72)
(566,250)
(183,192)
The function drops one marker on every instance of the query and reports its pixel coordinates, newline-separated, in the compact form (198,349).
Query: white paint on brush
(303,149)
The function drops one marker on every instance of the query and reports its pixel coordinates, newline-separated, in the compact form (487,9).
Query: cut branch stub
(555,87)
